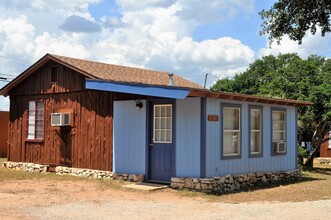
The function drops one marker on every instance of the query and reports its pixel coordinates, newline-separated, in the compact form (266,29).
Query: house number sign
(213,118)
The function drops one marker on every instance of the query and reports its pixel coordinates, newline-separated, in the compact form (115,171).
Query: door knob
(151,144)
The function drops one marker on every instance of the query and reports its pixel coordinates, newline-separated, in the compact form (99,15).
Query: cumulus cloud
(154,34)
(311,44)
(78,24)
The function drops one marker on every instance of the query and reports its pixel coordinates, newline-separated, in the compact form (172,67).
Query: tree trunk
(318,139)
(310,159)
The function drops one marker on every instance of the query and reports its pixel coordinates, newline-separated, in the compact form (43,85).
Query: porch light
(139,105)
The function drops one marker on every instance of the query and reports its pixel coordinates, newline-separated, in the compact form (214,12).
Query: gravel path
(184,209)
(30,199)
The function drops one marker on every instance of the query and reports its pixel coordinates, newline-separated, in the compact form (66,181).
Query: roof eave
(246,98)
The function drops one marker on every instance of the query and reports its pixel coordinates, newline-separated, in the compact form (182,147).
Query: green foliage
(289,77)
(301,151)
(294,18)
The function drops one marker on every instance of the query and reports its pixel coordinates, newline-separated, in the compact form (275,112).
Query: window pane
(255,119)
(32,106)
(157,123)
(157,111)
(39,134)
(39,115)
(163,111)
(168,136)
(231,142)
(163,135)
(31,117)
(169,113)
(31,134)
(40,105)
(163,121)
(278,116)
(169,125)
(278,136)
(39,125)
(231,118)
(255,141)
(157,135)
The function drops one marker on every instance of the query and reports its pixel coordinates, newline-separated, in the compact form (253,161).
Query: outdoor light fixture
(139,105)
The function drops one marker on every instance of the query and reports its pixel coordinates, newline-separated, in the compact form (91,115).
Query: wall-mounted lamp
(139,105)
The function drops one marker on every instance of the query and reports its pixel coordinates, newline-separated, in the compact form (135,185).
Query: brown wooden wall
(40,81)
(4,119)
(325,151)
(88,144)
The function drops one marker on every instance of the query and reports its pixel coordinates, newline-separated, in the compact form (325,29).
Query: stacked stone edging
(28,167)
(97,174)
(230,183)
(324,160)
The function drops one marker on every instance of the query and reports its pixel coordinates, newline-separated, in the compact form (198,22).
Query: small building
(325,151)
(84,114)
(4,120)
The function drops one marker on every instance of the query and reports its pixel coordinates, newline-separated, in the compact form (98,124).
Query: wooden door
(161,146)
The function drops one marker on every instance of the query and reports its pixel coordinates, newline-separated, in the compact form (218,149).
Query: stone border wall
(97,174)
(28,167)
(324,160)
(231,183)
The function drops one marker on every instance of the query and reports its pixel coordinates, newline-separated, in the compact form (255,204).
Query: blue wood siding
(188,124)
(215,166)
(129,137)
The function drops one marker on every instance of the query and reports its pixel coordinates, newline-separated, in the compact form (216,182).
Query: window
(162,131)
(35,130)
(329,144)
(278,132)
(231,131)
(255,131)
(54,74)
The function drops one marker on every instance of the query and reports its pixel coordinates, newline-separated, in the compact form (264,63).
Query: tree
(290,77)
(294,18)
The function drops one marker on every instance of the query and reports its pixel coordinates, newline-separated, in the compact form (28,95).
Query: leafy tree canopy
(294,18)
(289,77)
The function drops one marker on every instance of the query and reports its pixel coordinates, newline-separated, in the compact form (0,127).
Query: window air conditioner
(60,119)
(279,147)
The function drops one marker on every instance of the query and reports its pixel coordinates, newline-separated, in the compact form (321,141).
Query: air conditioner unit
(60,119)
(279,146)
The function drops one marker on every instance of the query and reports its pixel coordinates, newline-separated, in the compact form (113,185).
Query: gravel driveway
(123,209)
(31,199)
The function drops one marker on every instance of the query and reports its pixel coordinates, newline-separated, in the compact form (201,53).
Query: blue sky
(187,37)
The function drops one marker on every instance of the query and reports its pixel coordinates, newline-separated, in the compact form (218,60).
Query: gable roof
(137,76)
(104,71)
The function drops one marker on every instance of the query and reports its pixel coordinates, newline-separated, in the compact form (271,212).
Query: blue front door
(161,146)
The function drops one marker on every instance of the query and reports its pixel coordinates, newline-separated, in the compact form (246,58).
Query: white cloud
(152,34)
(311,44)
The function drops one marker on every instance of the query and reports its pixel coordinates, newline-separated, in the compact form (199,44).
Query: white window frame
(273,110)
(166,129)
(223,131)
(260,152)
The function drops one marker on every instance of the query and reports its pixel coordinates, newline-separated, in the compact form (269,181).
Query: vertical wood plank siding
(4,119)
(325,150)
(88,144)
(130,138)
(188,124)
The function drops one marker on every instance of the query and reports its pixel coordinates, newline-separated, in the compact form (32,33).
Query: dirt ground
(49,196)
